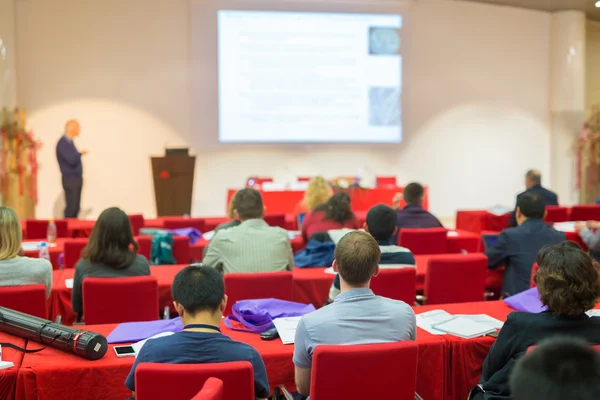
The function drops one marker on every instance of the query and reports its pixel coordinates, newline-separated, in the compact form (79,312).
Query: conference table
(8,376)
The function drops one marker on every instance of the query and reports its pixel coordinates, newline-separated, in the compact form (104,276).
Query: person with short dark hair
(568,284)
(111,252)
(199,298)
(381,224)
(558,369)
(413,215)
(516,248)
(533,185)
(356,316)
(252,246)
(335,213)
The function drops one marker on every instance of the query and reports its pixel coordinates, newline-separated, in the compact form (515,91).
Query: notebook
(286,327)
(427,319)
(69,283)
(464,327)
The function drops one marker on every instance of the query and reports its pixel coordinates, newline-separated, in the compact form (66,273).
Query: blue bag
(315,254)
(162,249)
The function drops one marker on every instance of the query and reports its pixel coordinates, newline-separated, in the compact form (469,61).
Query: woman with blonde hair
(317,193)
(14,269)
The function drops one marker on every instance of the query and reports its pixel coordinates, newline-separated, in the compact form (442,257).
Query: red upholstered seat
(277,285)
(181,249)
(275,220)
(182,381)
(585,213)
(556,214)
(455,278)
(372,371)
(180,223)
(212,390)
(144,245)
(29,299)
(424,241)
(137,223)
(73,249)
(397,284)
(38,228)
(116,300)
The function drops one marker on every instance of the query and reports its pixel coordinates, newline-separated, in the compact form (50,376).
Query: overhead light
(598,4)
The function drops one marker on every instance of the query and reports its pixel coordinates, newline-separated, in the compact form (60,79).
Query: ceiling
(552,5)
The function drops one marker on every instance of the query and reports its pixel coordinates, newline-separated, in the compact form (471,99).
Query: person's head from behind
(248,204)
(317,193)
(559,369)
(199,293)
(381,222)
(357,256)
(337,208)
(414,194)
(10,234)
(530,206)
(231,207)
(72,128)
(533,177)
(567,279)
(111,242)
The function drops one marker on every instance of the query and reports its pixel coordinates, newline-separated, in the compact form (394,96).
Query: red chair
(73,249)
(181,249)
(261,285)
(424,241)
(181,223)
(212,390)
(182,381)
(455,278)
(556,214)
(397,284)
(29,299)
(137,223)
(585,213)
(36,229)
(386,182)
(534,270)
(304,179)
(275,220)
(116,300)
(144,245)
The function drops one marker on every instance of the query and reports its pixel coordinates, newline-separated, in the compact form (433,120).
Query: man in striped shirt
(253,246)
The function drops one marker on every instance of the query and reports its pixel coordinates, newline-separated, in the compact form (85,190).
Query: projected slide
(309,77)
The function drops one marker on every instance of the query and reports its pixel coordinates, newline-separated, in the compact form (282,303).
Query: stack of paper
(138,346)
(286,327)
(464,327)
(427,319)
(440,322)
(565,226)
(499,210)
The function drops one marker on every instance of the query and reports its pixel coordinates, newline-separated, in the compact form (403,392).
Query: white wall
(593,64)
(476,103)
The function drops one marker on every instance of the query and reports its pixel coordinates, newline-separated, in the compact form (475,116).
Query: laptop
(489,240)
(300,219)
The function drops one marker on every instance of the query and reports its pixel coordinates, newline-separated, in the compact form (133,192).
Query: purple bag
(527,301)
(257,315)
(193,234)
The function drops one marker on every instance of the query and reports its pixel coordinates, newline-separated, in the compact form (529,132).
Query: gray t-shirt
(355,317)
(20,271)
(85,268)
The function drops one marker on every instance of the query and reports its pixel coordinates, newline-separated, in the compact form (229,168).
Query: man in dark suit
(517,248)
(71,168)
(533,183)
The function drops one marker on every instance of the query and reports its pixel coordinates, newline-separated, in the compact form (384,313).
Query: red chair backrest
(455,278)
(38,228)
(29,299)
(181,249)
(73,249)
(383,368)
(212,390)
(261,285)
(137,223)
(534,270)
(585,213)
(424,241)
(116,300)
(180,223)
(556,214)
(397,284)
(182,381)
(275,220)
(386,181)
(144,245)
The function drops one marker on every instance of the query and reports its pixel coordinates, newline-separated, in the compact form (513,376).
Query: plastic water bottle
(51,231)
(44,253)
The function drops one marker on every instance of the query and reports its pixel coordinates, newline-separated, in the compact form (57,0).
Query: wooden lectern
(173,184)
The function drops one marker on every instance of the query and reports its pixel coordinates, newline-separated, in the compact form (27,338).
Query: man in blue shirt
(516,248)
(71,168)
(199,298)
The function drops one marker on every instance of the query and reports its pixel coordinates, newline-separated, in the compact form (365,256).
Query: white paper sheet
(565,226)
(69,283)
(452,234)
(464,327)
(330,271)
(138,346)
(208,235)
(294,234)
(337,234)
(593,313)
(30,246)
(427,319)
(483,319)
(499,210)
(286,327)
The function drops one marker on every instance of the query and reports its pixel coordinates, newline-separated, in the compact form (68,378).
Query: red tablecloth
(285,201)
(8,377)
(462,240)
(54,251)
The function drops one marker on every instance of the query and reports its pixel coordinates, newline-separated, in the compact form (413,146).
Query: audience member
(413,215)
(558,369)
(232,216)
(16,270)
(317,193)
(111,252)
(381,224)
(199,298)
(356,316)
(533,184)
(253,246)
(568,284)
(334,214)
(516,248)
